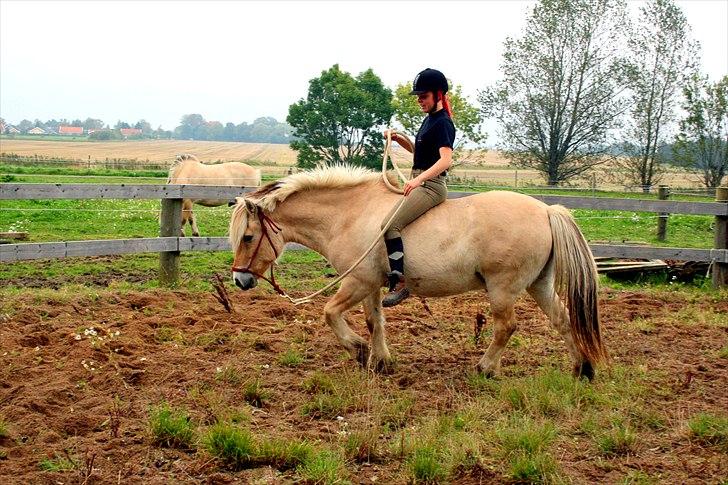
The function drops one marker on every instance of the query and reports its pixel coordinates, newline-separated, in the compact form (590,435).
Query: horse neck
(314,218)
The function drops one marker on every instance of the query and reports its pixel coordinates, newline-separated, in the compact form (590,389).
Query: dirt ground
(59,380)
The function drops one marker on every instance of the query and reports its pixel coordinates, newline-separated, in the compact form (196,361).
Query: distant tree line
(192,127)
(262,130)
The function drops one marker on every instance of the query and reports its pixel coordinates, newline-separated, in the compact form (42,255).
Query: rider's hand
(411,185)
(395,135)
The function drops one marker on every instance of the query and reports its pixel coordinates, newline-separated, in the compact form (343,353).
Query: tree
(561,91)
(660,60)
(190,127)
(338,121)
(144,125)
(24,125)
(467,117)
(92,124)
(702,143)
(121,124)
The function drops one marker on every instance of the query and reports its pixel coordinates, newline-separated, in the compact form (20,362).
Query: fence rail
(169,245)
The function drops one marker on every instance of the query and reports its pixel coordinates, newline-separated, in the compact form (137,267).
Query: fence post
(170,225)
(720,270)
(663,192)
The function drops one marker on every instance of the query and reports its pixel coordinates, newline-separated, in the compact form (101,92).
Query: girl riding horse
(432,157)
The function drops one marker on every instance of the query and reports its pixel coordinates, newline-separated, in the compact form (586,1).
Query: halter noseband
(275,228)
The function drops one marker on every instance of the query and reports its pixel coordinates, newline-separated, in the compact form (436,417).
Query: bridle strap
(265,222)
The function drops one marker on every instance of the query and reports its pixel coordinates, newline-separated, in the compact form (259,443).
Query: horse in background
(188,170)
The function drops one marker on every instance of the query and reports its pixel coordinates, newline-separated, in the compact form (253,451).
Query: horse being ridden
(501,242)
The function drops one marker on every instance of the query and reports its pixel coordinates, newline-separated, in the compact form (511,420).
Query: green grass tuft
(531,467)
(619,439)
(326,467)
(283,454)
(362,446)
(171,427)
(255,394)
(4,431)
(709,429)
(291,358)
(58,464)
(233,445)
(427,465)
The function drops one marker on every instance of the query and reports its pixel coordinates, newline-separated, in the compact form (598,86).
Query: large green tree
(467,117)
(661,57)
(340,120)
(702,144)
(560,94)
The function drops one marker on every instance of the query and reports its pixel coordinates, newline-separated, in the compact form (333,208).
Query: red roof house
(70,130)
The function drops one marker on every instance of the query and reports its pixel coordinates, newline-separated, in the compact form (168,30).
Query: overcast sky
(236,61)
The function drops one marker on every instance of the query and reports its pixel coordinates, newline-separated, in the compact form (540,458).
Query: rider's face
(426,101)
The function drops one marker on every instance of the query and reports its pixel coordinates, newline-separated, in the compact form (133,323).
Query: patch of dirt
(62,365)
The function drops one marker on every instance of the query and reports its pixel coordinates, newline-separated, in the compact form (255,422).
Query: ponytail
(445,103)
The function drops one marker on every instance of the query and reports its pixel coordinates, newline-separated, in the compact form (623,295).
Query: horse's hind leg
(350,293)
(193,223)
(501,303)
(186,215)
(542,290)
(379,359)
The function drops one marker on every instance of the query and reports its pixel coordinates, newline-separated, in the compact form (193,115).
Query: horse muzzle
(244,281)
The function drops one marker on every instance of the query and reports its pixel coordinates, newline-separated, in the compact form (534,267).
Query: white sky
(236,61)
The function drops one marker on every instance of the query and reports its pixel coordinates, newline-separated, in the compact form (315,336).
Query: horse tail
(576,282)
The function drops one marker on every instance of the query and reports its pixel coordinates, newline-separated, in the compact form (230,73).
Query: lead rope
(393,188)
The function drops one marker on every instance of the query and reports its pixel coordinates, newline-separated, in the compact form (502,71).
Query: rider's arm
(440,166)
(404,142)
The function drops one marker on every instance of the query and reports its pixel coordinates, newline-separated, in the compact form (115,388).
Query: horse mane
(329,177)
(177,164)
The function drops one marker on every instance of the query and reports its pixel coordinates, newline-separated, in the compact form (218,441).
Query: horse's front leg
(350,293)
(379,358)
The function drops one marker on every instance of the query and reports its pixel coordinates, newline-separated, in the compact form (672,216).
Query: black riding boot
(397,289)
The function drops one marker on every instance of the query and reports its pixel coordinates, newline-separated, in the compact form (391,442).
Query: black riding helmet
(429,80)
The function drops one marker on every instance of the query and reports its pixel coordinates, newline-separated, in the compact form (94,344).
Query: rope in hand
(390,186)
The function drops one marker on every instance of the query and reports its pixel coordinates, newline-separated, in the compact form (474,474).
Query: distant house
(2,127)
(11,130)
(37,131)
(127,132)
(70,130)
(91,131)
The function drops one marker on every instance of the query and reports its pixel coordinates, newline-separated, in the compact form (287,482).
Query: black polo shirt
(437,131)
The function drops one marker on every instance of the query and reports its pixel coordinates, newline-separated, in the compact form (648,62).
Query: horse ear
(252,208)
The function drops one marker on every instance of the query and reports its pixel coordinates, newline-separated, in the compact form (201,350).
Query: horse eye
(247,238)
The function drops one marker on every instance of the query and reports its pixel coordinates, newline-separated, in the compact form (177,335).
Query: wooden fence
(169,244)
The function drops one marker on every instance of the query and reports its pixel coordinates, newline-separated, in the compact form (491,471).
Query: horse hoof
(585,369)
(490,372)
(382,366)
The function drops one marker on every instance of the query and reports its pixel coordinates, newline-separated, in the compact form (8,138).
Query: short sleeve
(443,134)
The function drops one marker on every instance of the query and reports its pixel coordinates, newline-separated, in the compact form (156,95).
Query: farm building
(11,130)
(37,131)
(70,130)
(127,132)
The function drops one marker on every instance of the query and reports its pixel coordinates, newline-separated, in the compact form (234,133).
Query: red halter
(264,219)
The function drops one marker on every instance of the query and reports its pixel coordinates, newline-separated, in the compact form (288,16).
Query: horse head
(256,242)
